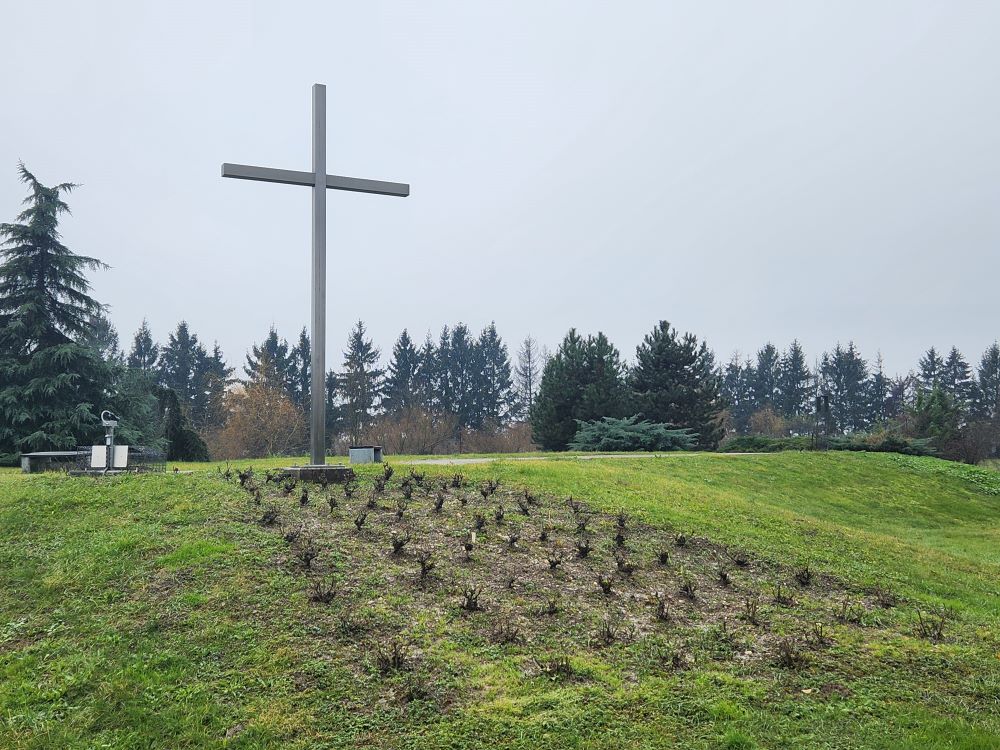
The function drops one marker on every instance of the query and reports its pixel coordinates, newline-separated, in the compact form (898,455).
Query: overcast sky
(749,171)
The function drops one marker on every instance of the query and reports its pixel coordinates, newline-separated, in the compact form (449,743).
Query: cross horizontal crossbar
(333,182)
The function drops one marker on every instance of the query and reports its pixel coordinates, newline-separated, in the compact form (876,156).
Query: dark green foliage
(183,443)
(494,400)
(400,392)
(675,381)
(584,380)
(52,386)
(630,434)
(844,380)
(271,364)
(145,352)
(877,442)
(359,383)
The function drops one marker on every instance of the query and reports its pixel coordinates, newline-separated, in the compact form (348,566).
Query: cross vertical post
(317,432)
(320,182)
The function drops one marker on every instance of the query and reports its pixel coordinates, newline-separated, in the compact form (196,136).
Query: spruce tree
(987,404)
(179,362)
(794,383)
(462,371)
(526,376)
(210,380)
(443,388)
(51,386)
(425,375)
(401,380)
(494,389)
(878,394)
(359,383)
(957,380)
(766,373)
(844,378)
(675,382)
(300,369)
(931,366)
(737,391)
(145,352)
(271,364)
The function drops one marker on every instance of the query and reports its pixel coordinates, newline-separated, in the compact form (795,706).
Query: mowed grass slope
(158,612)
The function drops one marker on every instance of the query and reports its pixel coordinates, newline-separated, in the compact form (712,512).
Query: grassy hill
(787,600)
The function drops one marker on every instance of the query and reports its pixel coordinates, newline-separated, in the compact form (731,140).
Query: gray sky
(748,171)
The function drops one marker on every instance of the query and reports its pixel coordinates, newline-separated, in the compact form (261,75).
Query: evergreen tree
(845,381)
(879,387)
(931,366)
(675,381)
(300,369)
(987,404)
(179,363)
(183,443)
(766,378)
(462,366)
(526,376)
(210,379)
(956,380)
(737,391)
(144,353)
(794,383)
(401,381)
(271,364)
(359,383)
(51,386)
(425,375)
(102,337)
(494,389)
(444,392)
(606,392)
(583,380)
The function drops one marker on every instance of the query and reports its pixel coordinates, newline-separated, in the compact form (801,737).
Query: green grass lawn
(157,611)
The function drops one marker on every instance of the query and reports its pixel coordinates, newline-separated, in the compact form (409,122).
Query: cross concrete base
(328,473)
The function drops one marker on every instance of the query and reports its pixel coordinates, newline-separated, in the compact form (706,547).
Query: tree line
(61,363)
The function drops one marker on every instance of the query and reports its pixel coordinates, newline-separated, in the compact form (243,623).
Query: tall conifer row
(52,387)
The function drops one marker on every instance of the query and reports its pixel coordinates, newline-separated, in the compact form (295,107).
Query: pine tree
(583,380)
(987,404)
(494,397)
(145,352)
(359,383)
(51,386)
(957,381)
(675,382)
(401,381)
(931,366)
(606,392)
(794,383)
(526,376)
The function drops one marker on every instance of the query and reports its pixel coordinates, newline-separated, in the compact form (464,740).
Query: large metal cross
(319,181)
